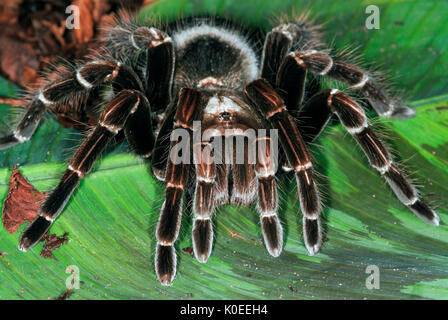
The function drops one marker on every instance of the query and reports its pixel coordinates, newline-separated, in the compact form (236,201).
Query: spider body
(202,73)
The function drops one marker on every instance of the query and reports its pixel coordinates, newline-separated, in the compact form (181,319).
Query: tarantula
(203,70)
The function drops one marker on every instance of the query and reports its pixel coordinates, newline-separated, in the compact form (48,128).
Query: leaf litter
(38,34)
(22,205)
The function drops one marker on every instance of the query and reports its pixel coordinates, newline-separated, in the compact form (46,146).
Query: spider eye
(225,116)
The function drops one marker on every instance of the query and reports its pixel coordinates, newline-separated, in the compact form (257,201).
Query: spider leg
(290,83)
(176,180)
(244,187)
(286,77)
(159,54)
(274,109)
(162,145)
(354,120)
(159,73)
(154,54)
(139,130)
(313,117)
(279,42)
(58,92)
(265,169)
(27,124)
(320,63)
(204,200)
(111,122)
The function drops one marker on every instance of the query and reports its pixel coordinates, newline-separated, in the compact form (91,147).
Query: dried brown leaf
(40,37)
(85,31)
(52,242)
(22,202)
(18,60)
(188,250)
(22,205)
(14,102)
(65,295)
(9,11)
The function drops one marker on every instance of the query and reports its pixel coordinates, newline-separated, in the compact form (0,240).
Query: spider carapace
(159,82)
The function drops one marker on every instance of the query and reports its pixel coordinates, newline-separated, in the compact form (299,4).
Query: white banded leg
(112,121)
(273,107)
(176,179)
(69,83)
(355,121)
(267,203)
(125,40)
(28,124)
(320,63)
(204,200)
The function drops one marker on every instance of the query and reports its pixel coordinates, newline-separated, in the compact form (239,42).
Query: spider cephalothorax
(161,82)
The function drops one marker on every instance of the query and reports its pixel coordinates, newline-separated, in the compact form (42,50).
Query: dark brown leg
(278,44)
(152,54)
(156,48)
(265,169)
(162,145)
(320,63)
(176,180)
(61,91)
(112,121)
(139,130)
(355,121)
(274,109)
(313,117)
(204,200)
(291,80)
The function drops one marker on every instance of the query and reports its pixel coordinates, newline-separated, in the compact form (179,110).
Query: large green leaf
(111,217)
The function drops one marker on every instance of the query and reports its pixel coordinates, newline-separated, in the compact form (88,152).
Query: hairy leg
(176,180)
(274,109)
(112,121)
(355,121)
(61,91)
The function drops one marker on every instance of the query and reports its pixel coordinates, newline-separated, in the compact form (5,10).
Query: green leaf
(111,218)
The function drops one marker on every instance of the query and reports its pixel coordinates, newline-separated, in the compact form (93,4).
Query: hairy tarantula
(207,71)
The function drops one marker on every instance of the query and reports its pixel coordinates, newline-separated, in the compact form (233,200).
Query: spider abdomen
(211,56)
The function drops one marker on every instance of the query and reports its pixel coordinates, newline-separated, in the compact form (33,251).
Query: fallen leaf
(14,102)
(189,250)
(9,11)
(65,295)
(19,62)
(52,242)
(22,205)
(22,202)
(85,31)
(34,37)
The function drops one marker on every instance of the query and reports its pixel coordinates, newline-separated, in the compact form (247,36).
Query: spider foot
(202,239)
(424,212)
(272,234)
(312,233)
(8,141)
(165,264)
(403,113)
(393,111)
(33,233)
